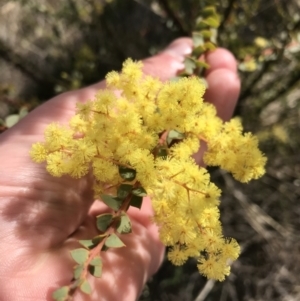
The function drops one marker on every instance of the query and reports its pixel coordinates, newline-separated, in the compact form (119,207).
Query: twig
(206,290)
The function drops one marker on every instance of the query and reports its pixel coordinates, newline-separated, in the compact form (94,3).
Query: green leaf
(97,261)
(197,38)
(78,271)
(113,241)
(124,226)
(139,191)
(200,24)
(127,173)
(189,65)
(23,112)
(209,11)
(212,21)
(88,243)
(162,152)
(96,271)
(202,64)
(85,287)
(112,202)
(210,46)
(174,135)
(97,239)
(103,221)
(136,201)
(11,120)
(207,34)
(198,51)
(61,294)
(80,255)
(124,190)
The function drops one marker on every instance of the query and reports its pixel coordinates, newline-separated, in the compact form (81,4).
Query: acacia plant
(139,142)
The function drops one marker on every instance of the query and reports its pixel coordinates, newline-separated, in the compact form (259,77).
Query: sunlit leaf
(124,190)
(209,46)
(88,243)
(174,135)
(212,21)
(124,226)
(96,261)
(127,173)
(23,112)
(103,221)
(80,255)
(209,11)
(78,271)
(112,202)
(61,294)
(206,33)
(197,39)
(11,120)
(189,65)
(113,241)
(96,271)
(139,191)
(85,287)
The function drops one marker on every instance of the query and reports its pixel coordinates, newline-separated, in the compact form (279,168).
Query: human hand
(42,217)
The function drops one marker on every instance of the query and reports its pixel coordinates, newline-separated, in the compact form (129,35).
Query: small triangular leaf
(97,239)
(78,271)
(103,221)
(197,39)
(80,255)
(23,112)
(85,287)
(96,271)
(112,202)
(124,190)
(124,226)
(113,241)
(209,11)
(87,243)
(207,34)
(197,51)
(174,135)
(136,201)
(189,65)
(11,120)
(162,152)
(126,173)
(61,294)
(96,261)
(139,191)
(212,21)
(209,46)
(202,64)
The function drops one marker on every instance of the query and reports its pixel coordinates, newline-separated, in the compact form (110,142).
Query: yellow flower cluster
(141,123)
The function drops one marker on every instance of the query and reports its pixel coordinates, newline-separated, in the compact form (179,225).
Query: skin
(42,217)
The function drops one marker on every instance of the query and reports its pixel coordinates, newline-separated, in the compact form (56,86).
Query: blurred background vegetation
(48,47)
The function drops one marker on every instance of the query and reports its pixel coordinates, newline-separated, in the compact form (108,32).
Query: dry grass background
(47,47)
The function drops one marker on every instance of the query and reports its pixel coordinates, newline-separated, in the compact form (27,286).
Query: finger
(220,59)
(223,82)
(170,61)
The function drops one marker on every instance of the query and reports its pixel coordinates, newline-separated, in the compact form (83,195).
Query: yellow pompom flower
(137,138)
(38,152)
